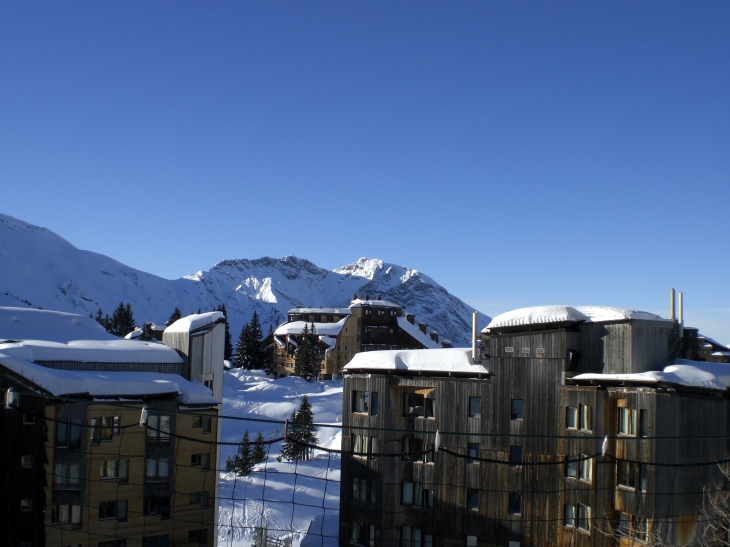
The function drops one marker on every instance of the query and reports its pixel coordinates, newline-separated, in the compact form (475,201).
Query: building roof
(357,303)
(195,321)
(340,311)
(682,372)
(537,315)
(436,361)
(296,327)
(55,326)
(416,333)
(107,385)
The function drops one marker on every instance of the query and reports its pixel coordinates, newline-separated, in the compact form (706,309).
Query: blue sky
(520,153)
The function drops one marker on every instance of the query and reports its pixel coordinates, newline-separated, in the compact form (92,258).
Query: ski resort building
(366,325)
(108,442)
(575,426)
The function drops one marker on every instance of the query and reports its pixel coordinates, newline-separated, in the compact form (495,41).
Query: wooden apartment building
(521,458)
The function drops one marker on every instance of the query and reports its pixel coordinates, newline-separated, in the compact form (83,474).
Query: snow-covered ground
(297,501)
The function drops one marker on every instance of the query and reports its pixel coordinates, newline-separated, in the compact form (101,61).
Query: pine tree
(242,348)
(103,320)
(300,358)
(256,346)
(307,361)
(259,449)
(147,333)
(122,321)
(174,316)
(301,430)
(244,458)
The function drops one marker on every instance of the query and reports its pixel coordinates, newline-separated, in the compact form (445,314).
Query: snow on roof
(296,327)
(328,340)
(682,372)
(195,321)
(357,303)
(562,314)
(340,311)
(105,385)
(712,342)
(136,333)
(56,326)
(117,350)
(280,342)
(432,360)
(416,333)
(721,353)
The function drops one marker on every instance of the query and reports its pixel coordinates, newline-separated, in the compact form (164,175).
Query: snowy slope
(40,269)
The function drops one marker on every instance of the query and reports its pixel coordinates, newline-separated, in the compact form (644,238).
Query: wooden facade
(542,479)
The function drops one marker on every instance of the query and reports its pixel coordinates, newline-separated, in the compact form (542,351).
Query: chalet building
(78,468)
(366,325)
(575,426)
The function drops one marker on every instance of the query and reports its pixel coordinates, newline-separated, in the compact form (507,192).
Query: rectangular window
(571,417)
(373,492)
(472,500)
(473,453)
(584,517)
(569,516)
(199,498)
(26,505)
(116,509)
(60,514)
(123,471)
(158,428)
(357,532)
(156,541)
(26,462)
(413,405)
(428,454)
(371,536)
(374,403)
(642,477)
(626,474)
(517,409)
(207,424)
(198,536)
(571,467)
(475,407)
(107,428)
(430,408)
(62,427)
(627,421)
(157,505)
(28,418)
(406,497)
(586,469)
(200,460)
(471,541)
(66,476)
(108,469)
(412,449)
(95,430)
(359,489)
(624,525)
(373,447)
(643,423)
(157,469)
(515,504)
(515,456)
(585,418)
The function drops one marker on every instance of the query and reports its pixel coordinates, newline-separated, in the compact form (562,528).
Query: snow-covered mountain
(41,269)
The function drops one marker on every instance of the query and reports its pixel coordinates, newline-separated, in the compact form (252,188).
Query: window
(627,474)
(199,498)
(157,469)
(585,472)
(66,476)
(113,543)
(123,471)
(200,460)
(475,407)
(571,467)
(371,536)
(471,541)
(107,428)
(585,418)
(517,409)
(515,456)
(156,541)
(359,489)
(198,536)
(157,505)
(108,469)
(515,504)
(158,428)
(642,477)
(472,500)
(373,447)
(357,532)
(571,417)
(26,462)
(416,405)
(373,492)
(116,509)
(428,454)
(473,453)
(569,516)
(361,401)
(413,537)
(65,514)
(28,418)
(26,505)
(359,444)
(374,403)
(627,421)
(415,495)
(95,430)
(624,525)
(584,518)
(68,433)
(643,423)
(412,449)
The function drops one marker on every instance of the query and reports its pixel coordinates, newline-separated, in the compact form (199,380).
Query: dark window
(584,517)
(515,504)
(198,536)
(515,456)
(113,543)
(472,500)
(374,403)
(199,498)
(158,428)
(413,405)
(28,418)
(473,452)
(373,492)
(517,405)
(157,505)
(569,516)
(26,505)
(571,417)
(643,423)
(113,510)
(571,467)
(26,462)
(156,541)
(475,407)
(200,460)
(627,474)
(157,469)
(412,449)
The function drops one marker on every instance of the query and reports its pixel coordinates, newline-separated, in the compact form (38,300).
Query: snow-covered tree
(301,433)
(306,360)
(242,463)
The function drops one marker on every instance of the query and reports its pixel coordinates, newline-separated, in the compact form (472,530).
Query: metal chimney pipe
(671,305)
(474,337)
(681,314)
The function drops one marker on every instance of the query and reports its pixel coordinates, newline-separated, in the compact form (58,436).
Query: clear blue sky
(520,153)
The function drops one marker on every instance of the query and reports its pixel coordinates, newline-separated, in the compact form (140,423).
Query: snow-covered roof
(296,327)
(565,314)
(682,372)
(328,340)
(334,311)
(357,303)
(195,321)
(721,353)
(56,326)
(455,360)
(280,342)
(416,333)
(136,333)
(117,350)
(105,385)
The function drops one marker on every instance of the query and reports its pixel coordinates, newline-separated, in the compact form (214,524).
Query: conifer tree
(122,321)
(242,462)
(301,430)
(259,449)
(242,348)
(174,316)
(147,333)
(103,320)
(256,346)
(307,361)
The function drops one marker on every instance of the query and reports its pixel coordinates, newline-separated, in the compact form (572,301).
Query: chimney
(681,314)
(671,305)
(474,330)
(354,296)
(411,318)
(379,297)
(434,336)
(422,326)
(367,297)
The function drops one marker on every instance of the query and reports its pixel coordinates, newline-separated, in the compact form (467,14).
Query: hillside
(41,269)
